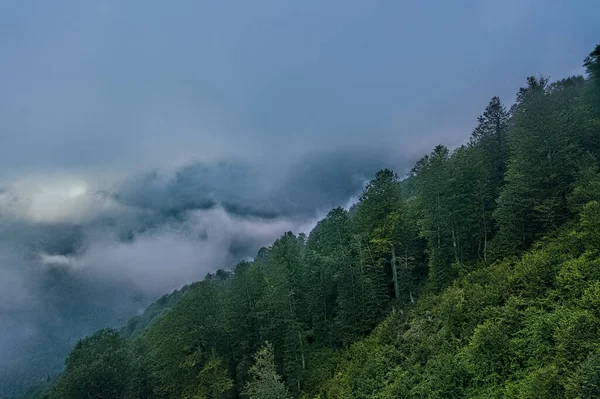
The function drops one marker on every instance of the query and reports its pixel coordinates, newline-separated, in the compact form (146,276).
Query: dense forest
(477,275)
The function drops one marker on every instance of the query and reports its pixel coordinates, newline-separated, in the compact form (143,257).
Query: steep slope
(476,276)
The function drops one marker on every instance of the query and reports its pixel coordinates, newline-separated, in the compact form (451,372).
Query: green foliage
(213,380)
(541,383)
(548,136)
(99,367)
(586,381)
(492,333)
(487,354)
(265,382)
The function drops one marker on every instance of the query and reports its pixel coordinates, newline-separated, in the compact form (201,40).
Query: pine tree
(431,177)
(471,196)
(282,307)
(213,380)
(592,97)
(491,135)
(381,219)
(489,152)
(266,382)
(545,141)
(100,366)
(327,255)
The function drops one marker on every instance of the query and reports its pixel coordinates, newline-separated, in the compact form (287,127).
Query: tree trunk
(455,245)
(395,273)
(302,351)
(439,244)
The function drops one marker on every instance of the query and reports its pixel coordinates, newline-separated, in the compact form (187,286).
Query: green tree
(213,380)
(491,135)
(592,66)
(246,287)
(182,342)
(431,176)
(380,220)
(265,383)
(544,143)
(282,307)
(586,382)
(99,367)
(327,255)
(482,168)
(468,204)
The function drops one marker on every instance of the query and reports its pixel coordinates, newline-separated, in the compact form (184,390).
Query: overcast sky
(146,143)
(112,85)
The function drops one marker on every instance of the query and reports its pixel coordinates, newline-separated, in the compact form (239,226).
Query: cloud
(168,256)
(55,199)
(62,260)
(79,255)
(159,230)
(14,293)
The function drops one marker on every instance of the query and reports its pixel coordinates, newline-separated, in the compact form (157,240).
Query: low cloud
(158,231)
(180,252)
(79,255)
(14,293)
(55,199)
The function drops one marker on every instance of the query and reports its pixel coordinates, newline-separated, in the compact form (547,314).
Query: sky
(111,85)
(144,144)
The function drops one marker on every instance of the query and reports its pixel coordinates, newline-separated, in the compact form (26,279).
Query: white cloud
(158,261)
(55,199)
(64,260)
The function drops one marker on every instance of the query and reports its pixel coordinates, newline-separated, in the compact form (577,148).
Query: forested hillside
(475,276)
